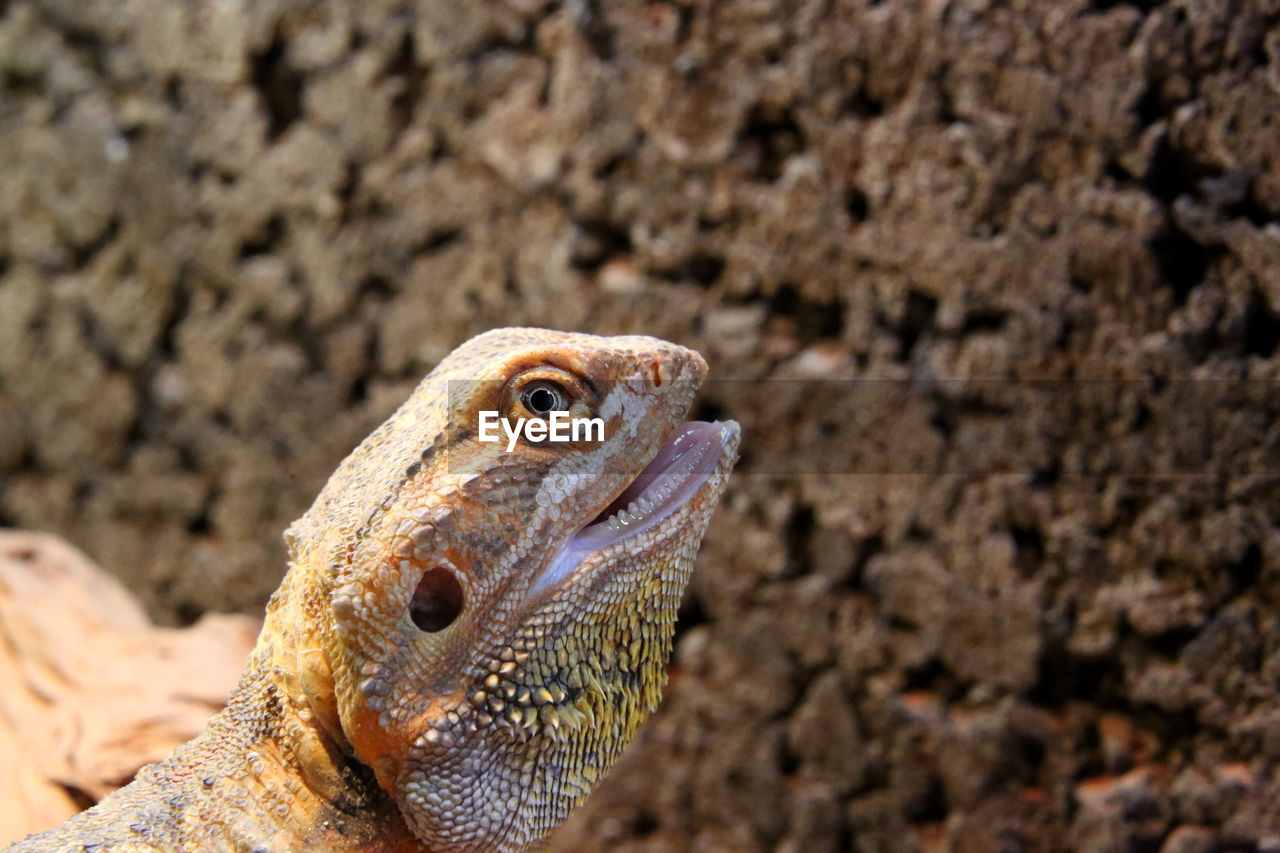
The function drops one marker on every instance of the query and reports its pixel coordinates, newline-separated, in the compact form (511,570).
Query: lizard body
(466,637)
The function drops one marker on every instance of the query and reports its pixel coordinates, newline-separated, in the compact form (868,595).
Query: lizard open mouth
(680,468)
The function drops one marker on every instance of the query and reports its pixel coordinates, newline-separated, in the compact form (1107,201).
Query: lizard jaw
(676,473)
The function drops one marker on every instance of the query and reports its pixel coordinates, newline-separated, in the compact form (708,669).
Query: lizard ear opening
(437,601)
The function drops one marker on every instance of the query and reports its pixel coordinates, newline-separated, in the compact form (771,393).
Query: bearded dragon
(467,636)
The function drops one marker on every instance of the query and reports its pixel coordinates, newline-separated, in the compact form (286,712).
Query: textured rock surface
(1029,613)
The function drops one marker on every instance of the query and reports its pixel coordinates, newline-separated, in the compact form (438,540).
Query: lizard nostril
(437,601)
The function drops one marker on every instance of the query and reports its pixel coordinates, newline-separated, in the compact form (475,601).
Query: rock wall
(1036,611)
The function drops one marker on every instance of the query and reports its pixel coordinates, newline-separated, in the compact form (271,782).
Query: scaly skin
(355,729)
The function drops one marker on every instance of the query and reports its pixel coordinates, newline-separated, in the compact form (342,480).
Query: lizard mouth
(676,473)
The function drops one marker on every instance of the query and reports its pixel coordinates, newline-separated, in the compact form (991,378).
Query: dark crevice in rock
(1063,677)
(1175,729)
(1150,106)
(81,798)
(151,424)
(684,22)
(440,149)
(500,42)
(771,136)
(795,537)
(597,241)
(690,615)
(266,241)
(435,241)
(348,191)
(856,205)
(510,282)
(983,320)
(813,319)
(917,318)
(1244,572)
(1182,262)
(1226,190)
(1261,327)
(1047,476)
(83,490)
(412,81)
(377,286)
(1251,209)
(16,83)
(1143,6)
(931,806)
(598,34)
(705,269)
(91,45)
(187,613)
(930,676)
(789,763)
(82,255)
(1022,756)
(95,340)
(644,824)
(867,548)
(301,333)
(706,409)
(861,105)
(175,93)
(1168,175)
(370,354)
(359,390)
(610,166)
(1169,644)
(279,87)
(202,522)
(1029,550)
(7,520)
(179,306)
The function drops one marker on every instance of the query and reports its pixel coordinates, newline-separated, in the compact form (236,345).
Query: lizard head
(499,613)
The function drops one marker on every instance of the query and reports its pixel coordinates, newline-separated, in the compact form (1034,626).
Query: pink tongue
(677,479)
(685,436)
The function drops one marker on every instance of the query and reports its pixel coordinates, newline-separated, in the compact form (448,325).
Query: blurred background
(994,290)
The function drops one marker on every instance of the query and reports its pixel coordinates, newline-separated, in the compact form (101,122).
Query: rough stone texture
(1029,613)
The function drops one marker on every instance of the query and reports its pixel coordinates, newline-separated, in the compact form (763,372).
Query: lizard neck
(279,741)
(283,783)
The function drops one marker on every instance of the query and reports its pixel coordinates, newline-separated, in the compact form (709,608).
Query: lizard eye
(543,397)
